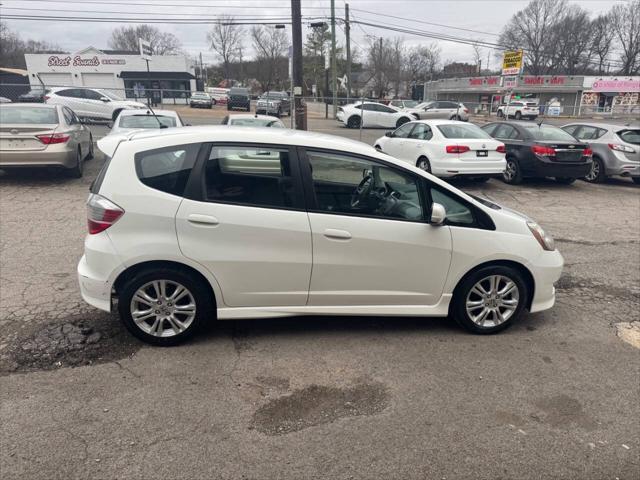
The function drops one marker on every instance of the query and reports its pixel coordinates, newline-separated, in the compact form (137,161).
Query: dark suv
(538,150)
(239,99)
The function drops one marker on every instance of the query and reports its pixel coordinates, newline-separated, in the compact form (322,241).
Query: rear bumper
(546,270)
(559,169)
(39,158)
(458,168)
(619,164)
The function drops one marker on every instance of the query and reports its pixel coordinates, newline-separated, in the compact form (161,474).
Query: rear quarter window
(167,169)
(630,136)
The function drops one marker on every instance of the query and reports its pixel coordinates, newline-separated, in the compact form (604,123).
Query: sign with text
(512,62)
(624,85)
(145,49)
(509,81)
(78,61)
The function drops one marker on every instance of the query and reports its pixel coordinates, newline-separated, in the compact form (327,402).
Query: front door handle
(200,219)
(337,234)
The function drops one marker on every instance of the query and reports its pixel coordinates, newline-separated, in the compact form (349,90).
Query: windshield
(256,122)
(462,131)
(274,95)
(200,94)
(548,132)
(109,95)
(146,121)
(28,115)
(410,103)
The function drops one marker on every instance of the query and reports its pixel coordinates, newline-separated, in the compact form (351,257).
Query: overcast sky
(486,16)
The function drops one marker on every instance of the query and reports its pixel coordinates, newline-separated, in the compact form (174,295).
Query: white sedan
(252,120)
(130,120)
(446,148)
(372,114)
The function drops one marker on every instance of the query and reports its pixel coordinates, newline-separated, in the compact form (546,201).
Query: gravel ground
(556,396)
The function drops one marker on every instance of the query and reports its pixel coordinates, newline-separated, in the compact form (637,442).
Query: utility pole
(347,31)
(296,37)
(333,58)
(202,73)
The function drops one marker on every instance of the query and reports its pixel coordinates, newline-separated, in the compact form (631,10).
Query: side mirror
(104,99)
(388,134)
(438,214)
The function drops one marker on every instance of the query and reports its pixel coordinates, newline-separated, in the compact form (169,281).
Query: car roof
(141,111)
(441,121)
(608,126)
(251,115)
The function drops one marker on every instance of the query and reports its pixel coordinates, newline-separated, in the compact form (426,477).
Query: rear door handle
(337,234)
(200,219)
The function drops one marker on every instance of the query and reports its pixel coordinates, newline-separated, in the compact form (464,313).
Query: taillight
(466,110)
(52,138)
(101,213)
(543,151)
(621,148)
(587,152)
(457,148)
(45,98)
(501,149)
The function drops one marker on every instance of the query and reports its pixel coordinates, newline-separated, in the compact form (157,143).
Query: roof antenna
(156,117)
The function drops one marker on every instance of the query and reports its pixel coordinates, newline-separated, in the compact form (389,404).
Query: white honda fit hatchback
(191,225)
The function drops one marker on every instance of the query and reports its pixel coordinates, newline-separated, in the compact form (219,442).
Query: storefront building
(573,94)
(170,77)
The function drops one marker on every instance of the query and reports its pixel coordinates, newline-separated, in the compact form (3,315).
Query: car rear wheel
(597,172)
(500,114)
(518,116)
(512,173)
(164,306)
(90,155)
(565,180)
(353,122)
(489,299)
(401,121)
(424,164)
(77,170)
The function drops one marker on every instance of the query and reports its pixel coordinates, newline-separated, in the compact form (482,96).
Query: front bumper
(546,270)
(199,103)
(267,109)
(49,157)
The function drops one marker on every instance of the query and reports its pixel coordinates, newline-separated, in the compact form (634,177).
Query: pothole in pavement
(317,405)
(74,342)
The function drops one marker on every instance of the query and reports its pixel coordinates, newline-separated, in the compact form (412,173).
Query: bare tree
(396,64)
(478,53)
(626,24)
(421,63)
(13,48)
(601,41)
(378,65)
(162,43)
(531,29)
(225,38)
(570,40)
(270,45)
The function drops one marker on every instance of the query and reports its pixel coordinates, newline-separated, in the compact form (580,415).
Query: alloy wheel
(511,171)
(594,172)
(492,301)
(163,308)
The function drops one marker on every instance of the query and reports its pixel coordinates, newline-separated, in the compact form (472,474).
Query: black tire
(565,180)
(353,122)
(500,114)
(636,180)
(423,163)
(463,292)
(90,155)
(513,173)
(518,116)
(205,305)
(279,113)
(115,114)
(78,169)
(213,103)
(597,173)
(401,121)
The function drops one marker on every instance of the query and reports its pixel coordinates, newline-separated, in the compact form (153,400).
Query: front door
(396,144)
(250,228)
(371,242)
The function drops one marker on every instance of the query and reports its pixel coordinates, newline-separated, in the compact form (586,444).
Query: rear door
(387,117)
(246,223)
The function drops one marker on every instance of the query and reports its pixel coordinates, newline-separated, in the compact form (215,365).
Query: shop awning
(132,75)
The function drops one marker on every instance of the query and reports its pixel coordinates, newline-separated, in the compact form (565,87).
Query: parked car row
(516,150)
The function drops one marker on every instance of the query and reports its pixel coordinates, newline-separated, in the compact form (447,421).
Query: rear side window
(167,169)
(630,136)
(252,176)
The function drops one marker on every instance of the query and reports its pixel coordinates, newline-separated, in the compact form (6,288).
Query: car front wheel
(424,164)
(164,306)
(353,122)
(490,299)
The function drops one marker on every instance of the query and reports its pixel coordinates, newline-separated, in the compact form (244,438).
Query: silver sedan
(43,135)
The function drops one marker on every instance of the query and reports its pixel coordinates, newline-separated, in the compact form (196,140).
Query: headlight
(545,241)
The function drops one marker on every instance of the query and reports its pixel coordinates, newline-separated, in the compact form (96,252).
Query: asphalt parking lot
(556,396)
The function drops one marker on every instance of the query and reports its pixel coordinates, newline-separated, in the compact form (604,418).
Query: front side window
(71,93)
(505,131)
(166,169)
(589,133)
(93,95)
(349,185)
(457,212)
(403,131)
(252,176)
